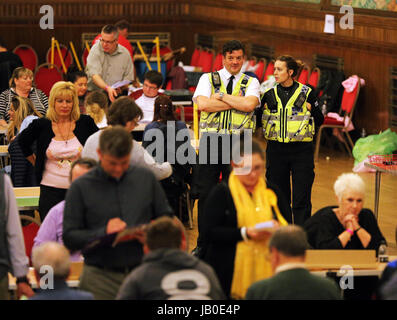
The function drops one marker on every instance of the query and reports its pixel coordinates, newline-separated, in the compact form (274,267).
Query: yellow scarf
(252,257)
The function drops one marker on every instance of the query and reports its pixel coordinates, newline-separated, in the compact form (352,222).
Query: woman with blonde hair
(21,85)
(60,139)
(96,106)
(21,113)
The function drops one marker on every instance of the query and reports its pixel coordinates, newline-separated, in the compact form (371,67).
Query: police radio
(299,102)
(216,81)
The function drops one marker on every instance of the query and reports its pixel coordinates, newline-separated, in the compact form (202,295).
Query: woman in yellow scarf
(236,249)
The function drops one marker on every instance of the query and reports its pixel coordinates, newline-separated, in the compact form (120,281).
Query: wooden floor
(322,194)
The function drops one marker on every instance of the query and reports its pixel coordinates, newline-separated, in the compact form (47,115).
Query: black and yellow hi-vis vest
(229,121)
(293,123)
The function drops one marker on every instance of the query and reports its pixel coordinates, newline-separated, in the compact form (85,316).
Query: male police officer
(227,100)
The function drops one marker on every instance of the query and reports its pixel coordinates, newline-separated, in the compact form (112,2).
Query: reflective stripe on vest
(289,124)
(229,121)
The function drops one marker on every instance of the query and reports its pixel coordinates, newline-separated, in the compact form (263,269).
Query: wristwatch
(221,94)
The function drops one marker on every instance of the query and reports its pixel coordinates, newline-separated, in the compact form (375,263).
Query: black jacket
(40,130)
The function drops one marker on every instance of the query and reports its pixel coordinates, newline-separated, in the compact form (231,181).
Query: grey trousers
(103,284)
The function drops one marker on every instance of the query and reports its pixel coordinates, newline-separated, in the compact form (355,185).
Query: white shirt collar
(289,266)
(227,74)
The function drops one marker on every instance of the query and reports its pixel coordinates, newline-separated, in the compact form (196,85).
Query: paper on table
(266,226)
(121,83)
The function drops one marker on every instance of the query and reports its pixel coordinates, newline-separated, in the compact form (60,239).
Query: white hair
(348,181)
(52,254)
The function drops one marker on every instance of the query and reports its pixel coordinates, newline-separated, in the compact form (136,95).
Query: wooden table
(27,198)
(391,169)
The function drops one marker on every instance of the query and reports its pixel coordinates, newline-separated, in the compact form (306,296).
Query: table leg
(377,190)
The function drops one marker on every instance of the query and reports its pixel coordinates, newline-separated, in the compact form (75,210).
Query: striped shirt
(38,97)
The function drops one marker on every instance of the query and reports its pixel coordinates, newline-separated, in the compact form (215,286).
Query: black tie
(229,88)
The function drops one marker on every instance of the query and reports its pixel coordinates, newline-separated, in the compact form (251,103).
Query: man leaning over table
(108,62)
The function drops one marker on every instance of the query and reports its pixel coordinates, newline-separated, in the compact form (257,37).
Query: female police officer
(290,113)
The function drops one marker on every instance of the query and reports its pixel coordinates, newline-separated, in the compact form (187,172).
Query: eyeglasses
(150,87)
(107,42)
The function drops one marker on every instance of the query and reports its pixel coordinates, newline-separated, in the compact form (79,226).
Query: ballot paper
(121,83)
(268,226)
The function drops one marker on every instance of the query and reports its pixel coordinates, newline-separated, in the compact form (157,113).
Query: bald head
(54,255)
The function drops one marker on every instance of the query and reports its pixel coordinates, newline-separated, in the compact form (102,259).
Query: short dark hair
(163,233)
(164,110)
(231,46)
(154,77)
(123,110)
(73,76)
(122,24)
(291,63)
(84,162)
(115,141)
(109,28)
(290,240)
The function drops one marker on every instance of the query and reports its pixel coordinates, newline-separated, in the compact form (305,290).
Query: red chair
(349,100)
(29,232)
(66,55)
(45,77)
(260,69)
(269,70)
(304,75)
(205,60)
(314,78)
(188,113)
(252,61)
(84,56)
(195,57)
(218,63)
(28,56)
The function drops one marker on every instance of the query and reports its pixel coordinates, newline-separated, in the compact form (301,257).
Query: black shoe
(198,252)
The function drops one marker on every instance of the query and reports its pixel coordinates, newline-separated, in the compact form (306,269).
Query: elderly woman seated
(348,225)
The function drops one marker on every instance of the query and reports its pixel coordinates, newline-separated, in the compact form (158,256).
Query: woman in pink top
(60,139)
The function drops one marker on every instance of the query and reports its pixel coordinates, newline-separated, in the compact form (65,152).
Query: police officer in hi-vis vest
(290,114)
(227,100)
